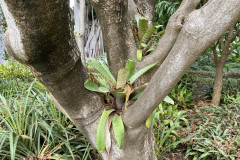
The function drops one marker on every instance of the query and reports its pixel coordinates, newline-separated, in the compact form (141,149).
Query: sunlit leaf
(168,100)
(122,78)
(130,64)
(139,54)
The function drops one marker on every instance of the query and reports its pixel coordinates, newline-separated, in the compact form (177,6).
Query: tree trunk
(218,83)
(138,145)
(45,43)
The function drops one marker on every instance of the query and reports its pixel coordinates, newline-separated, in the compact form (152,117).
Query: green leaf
(118,129)
(141,72)
(122,78)
(144,45)
(150,119)
(102,69)
(150,49)
(168,100)
(150,31)
(137,96)
(100,138)
(139,54)
(142,27)
(204,155)
(90,85)
(130,64)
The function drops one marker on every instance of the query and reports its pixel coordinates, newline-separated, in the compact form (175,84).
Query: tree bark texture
(40,36)
(218,84)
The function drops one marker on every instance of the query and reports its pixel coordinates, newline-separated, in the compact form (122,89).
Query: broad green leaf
(141,72)
(150,119)
(102,69)
(118,129)
(122,78)
(142,27)
(100,138)
(130,64)
(90,85)
(139,54)
(150,31)
(168,100)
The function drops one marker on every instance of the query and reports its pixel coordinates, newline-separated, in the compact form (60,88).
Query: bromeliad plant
(143,36)
(116,93)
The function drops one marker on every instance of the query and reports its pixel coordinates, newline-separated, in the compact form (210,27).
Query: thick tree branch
(46,44)
(198,33)
(173,28)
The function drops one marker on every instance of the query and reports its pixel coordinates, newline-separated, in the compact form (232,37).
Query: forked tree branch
(47,45)
(199,32)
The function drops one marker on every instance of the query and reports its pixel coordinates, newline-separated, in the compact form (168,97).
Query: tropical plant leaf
(168,100)
(122,78)
(150,31)
(130,64)
(100,138)
(118,129)
(141,72)
(102,69)
(90,85)
(139,54)
(142,27)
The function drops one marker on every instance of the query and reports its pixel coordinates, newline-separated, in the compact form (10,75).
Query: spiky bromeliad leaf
(122,78)
(102,69)
(142,27)
(118,129)
(141,72)
(90,85)
(100,139)
(130,64)
(139,54)
(150,31)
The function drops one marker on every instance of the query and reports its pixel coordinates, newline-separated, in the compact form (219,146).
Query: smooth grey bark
(46,44)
